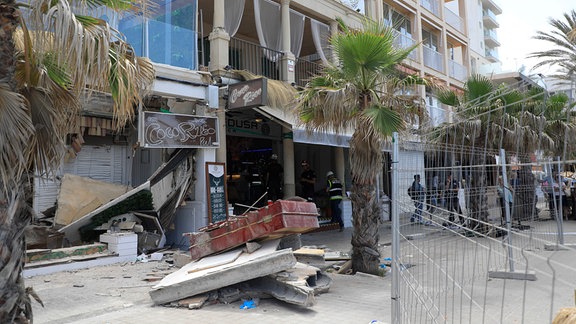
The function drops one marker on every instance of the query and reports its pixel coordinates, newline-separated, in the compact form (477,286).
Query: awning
(300,134)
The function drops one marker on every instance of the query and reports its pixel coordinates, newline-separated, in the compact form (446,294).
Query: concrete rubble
(237,274)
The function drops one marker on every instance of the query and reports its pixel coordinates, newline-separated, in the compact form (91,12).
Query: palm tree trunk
(14,213)
(366,221)
(478,209)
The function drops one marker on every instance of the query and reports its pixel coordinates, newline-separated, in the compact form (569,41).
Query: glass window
(401,23)
(167,36)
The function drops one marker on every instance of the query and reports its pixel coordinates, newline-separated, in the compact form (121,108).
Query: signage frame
(216,189)
(254,92)
(167,130)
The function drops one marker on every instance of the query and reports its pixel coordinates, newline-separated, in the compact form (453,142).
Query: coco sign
(248,94)
(174,130)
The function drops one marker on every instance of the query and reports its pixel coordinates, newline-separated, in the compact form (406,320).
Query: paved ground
(119,294)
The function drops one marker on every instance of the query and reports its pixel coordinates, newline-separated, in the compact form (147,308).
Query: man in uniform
(307,181)
(334,189)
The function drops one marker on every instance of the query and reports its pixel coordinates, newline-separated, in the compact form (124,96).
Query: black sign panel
(164,130)
(217,193)
(248,94)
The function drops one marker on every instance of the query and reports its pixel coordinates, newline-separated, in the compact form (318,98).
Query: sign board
(248,94)
(162,130)
(217,192)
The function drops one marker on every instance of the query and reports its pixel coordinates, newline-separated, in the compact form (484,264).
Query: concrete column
(373,9)
(333,31)
(288,61)
(219,40)
(221,150)
(340,165)
(289,168)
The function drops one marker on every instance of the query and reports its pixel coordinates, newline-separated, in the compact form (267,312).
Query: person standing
(307,181)
(452,203)
(274,176)
(506,197)
(417,194)
(334,189)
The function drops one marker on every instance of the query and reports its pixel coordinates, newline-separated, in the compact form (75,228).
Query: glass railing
(432,5)
(457,71)
(405,41)
(454,20)
(433,59)
(162,43)
(244,55)
(489,13)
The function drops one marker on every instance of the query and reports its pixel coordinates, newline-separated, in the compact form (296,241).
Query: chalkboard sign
(217,193)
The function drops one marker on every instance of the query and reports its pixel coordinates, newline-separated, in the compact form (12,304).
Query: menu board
(217,193)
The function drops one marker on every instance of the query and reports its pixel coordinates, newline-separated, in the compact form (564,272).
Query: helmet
(329,173)
(274,157)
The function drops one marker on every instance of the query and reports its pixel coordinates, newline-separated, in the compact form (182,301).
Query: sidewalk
(119,294)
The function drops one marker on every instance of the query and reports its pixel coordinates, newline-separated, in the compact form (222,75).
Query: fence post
(507,209)
(396,307)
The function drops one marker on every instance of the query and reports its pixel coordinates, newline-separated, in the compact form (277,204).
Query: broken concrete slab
(187,282)
(79,196)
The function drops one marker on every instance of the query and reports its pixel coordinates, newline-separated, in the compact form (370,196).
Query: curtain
(233,11)
(296,32)
(320,36)
(268,27)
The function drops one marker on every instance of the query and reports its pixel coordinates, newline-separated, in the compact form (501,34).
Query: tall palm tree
(563,41)
(483,121)
(361,94)
(46,63)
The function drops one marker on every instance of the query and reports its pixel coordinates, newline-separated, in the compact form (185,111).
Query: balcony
(457,71)
(489,19)
(438,115)
(431,5)
(304,70)
(490,38)
(252,57)
(491,4)
(405,41)
(433,59)
(492,55)
(454,20)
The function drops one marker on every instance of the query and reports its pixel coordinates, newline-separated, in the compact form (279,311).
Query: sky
(519,21)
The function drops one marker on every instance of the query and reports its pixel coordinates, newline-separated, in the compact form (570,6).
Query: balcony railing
(252,57)
(305,70)
(454,20)
(405,41)
(433,59)
(437,115)
(457,71)
(432,5)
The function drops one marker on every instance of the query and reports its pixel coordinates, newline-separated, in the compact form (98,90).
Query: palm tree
(483,120)
(360,94)
(46,63)
(563,41)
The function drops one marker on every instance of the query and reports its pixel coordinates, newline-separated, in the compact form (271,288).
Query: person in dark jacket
(334,189)
(274,177)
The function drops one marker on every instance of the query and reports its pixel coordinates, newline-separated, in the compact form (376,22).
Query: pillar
(219,40)
(288,61)
(289,167)
(340,165)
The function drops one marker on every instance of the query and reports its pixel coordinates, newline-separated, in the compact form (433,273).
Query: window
(168,36)
(429,40)
(401,23)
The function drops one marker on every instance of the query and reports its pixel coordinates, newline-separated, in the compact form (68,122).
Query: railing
(437,115)
(433,59)
(457,71)
(454,20)
(489,13)
(304,70)
(491,54)
(405,41)
(252,57)
(432,5)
